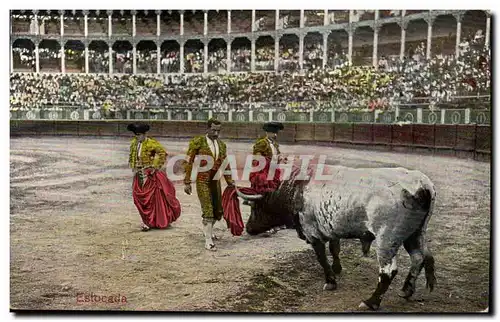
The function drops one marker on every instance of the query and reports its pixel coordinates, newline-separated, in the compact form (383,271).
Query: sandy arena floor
(74,229)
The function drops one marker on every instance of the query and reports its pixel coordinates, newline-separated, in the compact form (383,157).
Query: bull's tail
(423,200)
(426,197)
(430,197)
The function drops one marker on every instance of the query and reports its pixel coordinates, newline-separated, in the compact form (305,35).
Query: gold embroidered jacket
(199,146)
(263,147)
(152,154)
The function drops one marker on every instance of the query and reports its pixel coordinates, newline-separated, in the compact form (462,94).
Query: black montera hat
(273,127)
(138,128)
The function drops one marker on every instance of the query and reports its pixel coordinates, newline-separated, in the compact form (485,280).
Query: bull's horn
(247,197)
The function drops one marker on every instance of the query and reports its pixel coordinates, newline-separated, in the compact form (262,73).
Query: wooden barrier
(402,135)
(343,132)
(304,132)
(247,131)
(423,135)
(28,128)
(98,128)
(483,139)
(458,140)
(465,140)
(446,136)
(362,133)
(230,132)
(66,128)
(323,132)
(287,135)
(382,134)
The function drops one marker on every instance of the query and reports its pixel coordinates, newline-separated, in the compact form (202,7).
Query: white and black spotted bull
(387,206)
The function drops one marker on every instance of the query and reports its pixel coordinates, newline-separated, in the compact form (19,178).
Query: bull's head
(269,211)
(247,197)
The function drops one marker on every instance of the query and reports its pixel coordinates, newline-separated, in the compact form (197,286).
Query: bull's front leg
(320,250)
(334,246)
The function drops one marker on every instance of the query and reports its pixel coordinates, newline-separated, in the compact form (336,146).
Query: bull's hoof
(210,247)
(330,286)
(337,268)
(405,293)
(367,306)
(431,282)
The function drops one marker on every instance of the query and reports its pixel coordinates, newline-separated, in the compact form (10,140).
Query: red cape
(156,200)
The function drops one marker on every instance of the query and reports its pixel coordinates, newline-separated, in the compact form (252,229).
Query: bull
(390,207)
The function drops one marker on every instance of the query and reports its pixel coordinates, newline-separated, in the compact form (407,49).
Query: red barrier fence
(459,140)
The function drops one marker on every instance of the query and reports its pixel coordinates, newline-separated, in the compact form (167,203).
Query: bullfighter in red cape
(263,183)
(268,147)
(153,193)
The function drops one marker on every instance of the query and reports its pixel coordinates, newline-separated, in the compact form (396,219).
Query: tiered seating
(241,21)
(265,20)
(72,26)
(145,26)
(121,26)
(264,58)
(97,27)
(193,26)
(217,22)
(21,26)
(312,18)
(291,18)
(170,24)
(52,26)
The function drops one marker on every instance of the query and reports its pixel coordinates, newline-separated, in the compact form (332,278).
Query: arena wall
(470,141)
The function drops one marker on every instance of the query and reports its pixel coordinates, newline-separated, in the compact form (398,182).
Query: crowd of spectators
(394,82)
(288,59)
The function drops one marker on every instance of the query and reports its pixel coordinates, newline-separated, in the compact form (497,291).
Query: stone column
(134,30)
(37,57)
(205,22)
(252,55)
(276,52)
(376,30)
(430,21)
(325,48)
(182,22)
(229,21)
(404,25)
(86,24)
(277,19)
(11,58)
(302,20)
(326,21)
(110,59)
(63,60)
(158,58)
(37,29)
(228,57)
(301,52)
(86,58)
(253,20)
(110,22)
(488,28)
(458,16)
(61,16)
(350,32)
(205,57)
(181,54)
(158,22)
(134,59)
